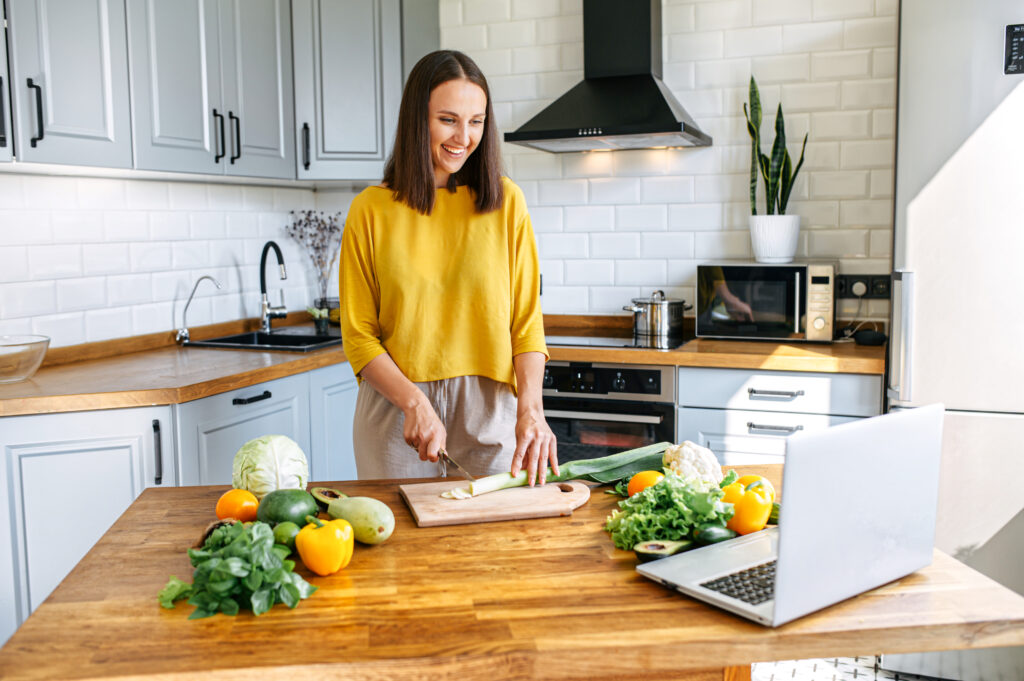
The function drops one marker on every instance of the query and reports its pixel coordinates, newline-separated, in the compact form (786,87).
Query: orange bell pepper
(325,547)
(751,497)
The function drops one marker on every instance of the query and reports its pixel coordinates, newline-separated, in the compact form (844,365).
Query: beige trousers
(479,416)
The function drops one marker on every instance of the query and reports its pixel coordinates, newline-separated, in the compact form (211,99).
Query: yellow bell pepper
(325,547)
(751,497)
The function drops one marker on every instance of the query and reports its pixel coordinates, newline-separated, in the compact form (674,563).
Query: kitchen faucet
(267,311)
(182,334)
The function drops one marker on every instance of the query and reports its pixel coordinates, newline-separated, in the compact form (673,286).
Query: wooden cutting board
(543,501)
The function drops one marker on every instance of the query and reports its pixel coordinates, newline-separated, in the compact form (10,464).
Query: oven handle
(597,416)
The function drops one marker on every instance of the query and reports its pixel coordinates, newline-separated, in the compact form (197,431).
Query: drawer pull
(787,394)
(158,468)
(254,398)
(779,429)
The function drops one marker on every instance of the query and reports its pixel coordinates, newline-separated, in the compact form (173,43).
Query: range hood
(621,102)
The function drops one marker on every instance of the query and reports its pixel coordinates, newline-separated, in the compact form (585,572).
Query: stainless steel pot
(657,316)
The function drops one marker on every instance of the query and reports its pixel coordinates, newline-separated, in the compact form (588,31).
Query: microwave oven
(757,301)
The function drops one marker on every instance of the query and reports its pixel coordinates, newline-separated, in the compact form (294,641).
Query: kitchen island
(531,599)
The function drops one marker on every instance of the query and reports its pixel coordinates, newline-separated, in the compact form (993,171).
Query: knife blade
(443,456)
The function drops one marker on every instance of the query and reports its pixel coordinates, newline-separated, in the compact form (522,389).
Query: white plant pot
(774,237)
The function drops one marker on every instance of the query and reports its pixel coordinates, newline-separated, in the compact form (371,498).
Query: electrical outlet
(880,286)
(873,286)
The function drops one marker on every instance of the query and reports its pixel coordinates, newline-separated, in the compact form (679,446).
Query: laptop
(857,511)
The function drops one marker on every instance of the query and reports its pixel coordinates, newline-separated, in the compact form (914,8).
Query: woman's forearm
(386,378)
(529,368)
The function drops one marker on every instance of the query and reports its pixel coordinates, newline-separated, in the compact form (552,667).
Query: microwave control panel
(821,300)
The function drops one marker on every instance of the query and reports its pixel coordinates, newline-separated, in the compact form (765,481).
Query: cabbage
(268,463)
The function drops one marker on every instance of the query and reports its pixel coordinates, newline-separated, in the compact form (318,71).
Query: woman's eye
(448,120)
(478,121)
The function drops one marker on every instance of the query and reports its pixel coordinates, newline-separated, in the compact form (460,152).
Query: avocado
(286,505)
(325,495)
(653,550)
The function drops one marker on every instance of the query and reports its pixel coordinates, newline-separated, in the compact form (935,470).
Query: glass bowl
(20,356)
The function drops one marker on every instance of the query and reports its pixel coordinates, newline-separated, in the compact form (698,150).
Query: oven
(597,409)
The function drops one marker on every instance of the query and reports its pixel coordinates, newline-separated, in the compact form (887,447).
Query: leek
(606,469)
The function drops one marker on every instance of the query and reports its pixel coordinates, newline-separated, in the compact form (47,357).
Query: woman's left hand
(536,446)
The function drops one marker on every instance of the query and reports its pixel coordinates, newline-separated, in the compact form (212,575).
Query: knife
(443,458)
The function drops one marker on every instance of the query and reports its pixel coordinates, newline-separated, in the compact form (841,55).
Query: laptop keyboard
(754,585)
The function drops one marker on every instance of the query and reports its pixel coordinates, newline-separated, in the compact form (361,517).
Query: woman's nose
(462,134)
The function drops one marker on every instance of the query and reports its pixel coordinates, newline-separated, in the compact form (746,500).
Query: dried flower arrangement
(320,235)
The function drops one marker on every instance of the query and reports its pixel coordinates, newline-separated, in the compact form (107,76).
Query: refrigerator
(957,324)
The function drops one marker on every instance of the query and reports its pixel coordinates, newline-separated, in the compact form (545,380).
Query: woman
(440,308)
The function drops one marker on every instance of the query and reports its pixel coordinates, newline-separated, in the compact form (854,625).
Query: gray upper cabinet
(211,83)
(69,82)
(175,71)
(256,63)
(348,82)
(6,134)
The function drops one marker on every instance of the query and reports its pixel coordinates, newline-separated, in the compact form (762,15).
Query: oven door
(588,429)
(755,302)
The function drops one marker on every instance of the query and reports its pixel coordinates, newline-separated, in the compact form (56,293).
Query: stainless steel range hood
(621,103)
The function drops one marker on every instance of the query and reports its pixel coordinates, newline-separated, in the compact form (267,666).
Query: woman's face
(457,110)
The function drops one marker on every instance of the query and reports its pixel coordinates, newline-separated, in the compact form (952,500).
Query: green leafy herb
(668,510)
(730,477)
(239,566)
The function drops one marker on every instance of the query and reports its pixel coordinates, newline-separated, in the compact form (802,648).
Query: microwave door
(756,303)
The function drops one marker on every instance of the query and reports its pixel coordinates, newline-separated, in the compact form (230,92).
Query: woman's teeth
(452,151)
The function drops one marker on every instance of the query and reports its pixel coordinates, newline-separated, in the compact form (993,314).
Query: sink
(294,340)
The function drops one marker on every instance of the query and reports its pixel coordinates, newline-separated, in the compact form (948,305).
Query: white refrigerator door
(980,521)
(959,232)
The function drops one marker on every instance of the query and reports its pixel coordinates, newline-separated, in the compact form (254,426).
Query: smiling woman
(440,300)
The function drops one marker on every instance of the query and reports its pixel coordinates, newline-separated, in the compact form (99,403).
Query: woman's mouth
(456,152)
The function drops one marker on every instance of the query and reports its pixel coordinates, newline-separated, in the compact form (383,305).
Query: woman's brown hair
(409,171)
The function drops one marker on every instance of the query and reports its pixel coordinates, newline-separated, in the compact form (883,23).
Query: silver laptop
(858,511)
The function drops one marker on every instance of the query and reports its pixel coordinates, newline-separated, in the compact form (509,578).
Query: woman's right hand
(423,430)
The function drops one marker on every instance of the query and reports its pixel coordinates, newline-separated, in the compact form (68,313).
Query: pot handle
(632,308)
(658,296)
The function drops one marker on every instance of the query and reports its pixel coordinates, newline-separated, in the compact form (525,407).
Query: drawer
(740,437)
(790,391)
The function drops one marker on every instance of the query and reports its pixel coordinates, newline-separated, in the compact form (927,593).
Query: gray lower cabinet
(6,132)
(348,84)
(210,430)
(212,86)
(332,405)
(65,478)
(745,416)
(69,82)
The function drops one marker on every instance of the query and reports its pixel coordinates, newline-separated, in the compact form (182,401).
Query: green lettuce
(668,510)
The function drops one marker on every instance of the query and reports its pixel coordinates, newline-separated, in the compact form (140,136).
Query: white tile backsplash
(99,258)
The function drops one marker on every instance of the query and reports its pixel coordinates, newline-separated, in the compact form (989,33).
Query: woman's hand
(423,430)
(536,447)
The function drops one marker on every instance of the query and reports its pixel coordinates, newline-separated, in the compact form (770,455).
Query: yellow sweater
(453,293)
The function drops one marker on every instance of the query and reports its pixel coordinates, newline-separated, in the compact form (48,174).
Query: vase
(774,237)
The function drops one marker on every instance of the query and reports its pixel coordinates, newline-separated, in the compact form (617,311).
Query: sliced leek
(606,469)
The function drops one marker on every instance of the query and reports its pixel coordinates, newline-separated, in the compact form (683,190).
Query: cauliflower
(690,460)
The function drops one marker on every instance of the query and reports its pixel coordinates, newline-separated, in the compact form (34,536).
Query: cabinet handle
(39,111)
(788,394)
(236,137)
(158,477)
(254,398)
(3,125)
(781,429)
(305,146)
(220,123)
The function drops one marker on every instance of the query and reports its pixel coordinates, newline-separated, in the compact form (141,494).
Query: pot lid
(657,298)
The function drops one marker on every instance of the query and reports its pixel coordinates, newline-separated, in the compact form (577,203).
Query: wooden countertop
(532,599)
(129,373)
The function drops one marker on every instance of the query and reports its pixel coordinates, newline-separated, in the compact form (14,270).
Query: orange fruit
(643,480)
(239,504)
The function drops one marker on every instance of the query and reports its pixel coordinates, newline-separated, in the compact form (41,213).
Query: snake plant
(778,171)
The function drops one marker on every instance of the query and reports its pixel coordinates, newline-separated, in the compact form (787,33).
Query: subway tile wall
(612,226)
(89,259)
